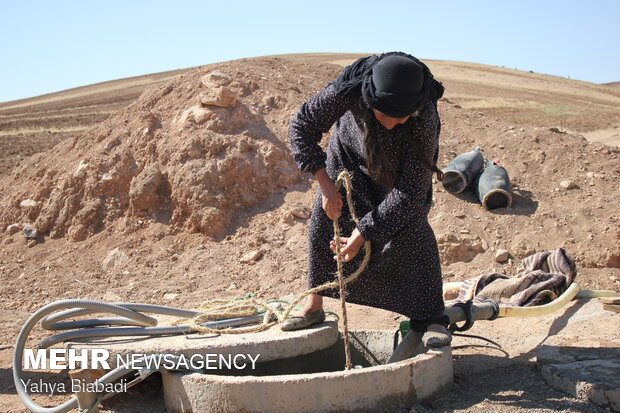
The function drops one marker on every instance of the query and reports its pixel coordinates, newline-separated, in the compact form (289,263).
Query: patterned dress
(404,274)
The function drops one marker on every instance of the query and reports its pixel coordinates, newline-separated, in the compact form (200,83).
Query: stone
(81,170)
(114,258)
(8,241)
(454,248)
(201,115)
(30,232)
(568,184)
(501,255)
(612,259)
(143,188)
(195,114)
(28,203)
(287,219)
(215,79)
(111,297)
(300,211)
(252,256)
(32,243)
(222,97)
(13,228)
(170,296)
(295,241)
(270,102)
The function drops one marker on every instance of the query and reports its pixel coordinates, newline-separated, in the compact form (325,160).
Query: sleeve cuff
(314,167)
(365,228)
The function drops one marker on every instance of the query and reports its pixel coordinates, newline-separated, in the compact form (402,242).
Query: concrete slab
(595,380)
(271,344)
(582,358)
(370,387)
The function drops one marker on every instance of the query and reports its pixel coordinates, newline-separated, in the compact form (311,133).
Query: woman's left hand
(349,246)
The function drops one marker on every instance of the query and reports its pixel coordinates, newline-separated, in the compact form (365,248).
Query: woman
(386,135)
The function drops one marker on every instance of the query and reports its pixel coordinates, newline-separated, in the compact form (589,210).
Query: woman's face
(388,122)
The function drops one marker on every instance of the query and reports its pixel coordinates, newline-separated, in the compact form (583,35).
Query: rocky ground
(189,193)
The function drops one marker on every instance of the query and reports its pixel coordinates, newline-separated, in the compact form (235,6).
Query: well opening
(369,348)
(317,381)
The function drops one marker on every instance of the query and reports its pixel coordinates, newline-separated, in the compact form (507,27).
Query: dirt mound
(210,145)
(189,154)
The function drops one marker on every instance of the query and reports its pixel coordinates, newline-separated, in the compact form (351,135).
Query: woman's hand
(332,199)
(349,246)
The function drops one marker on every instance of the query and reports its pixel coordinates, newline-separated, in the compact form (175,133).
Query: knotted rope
(224,309)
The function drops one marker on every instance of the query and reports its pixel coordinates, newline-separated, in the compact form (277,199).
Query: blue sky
(47,46)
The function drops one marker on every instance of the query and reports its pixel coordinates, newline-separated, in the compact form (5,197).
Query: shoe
(440,338)
(299,322)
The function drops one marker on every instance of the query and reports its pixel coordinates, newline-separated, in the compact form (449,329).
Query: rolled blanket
(546,275)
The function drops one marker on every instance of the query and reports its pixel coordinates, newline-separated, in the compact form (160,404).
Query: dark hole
(496,200)
(453,182)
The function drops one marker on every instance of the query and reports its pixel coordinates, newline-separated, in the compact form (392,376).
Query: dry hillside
(33,125)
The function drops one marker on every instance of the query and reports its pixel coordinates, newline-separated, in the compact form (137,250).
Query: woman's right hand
(332,199)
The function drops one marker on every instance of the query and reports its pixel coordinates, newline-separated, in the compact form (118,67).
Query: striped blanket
(546,275)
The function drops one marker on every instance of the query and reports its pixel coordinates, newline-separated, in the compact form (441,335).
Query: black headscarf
(395,83)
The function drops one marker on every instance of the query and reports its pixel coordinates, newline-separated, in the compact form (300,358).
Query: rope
(347,347)
(214,310)
(343,303)
(248,305)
